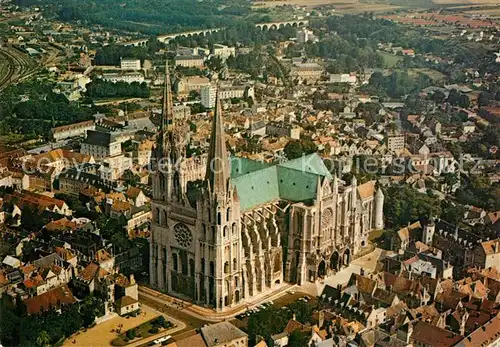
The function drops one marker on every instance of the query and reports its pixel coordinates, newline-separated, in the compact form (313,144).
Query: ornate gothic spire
(168,105)
(167,116)
(217,172)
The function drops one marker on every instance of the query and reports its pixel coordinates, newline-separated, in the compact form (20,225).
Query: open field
(390,60)
(359,6)
(493,10)
(431,73)
(341,6)
(465,2)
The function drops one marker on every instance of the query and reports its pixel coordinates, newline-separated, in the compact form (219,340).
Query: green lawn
(142,331)
(431,73)
(390,60)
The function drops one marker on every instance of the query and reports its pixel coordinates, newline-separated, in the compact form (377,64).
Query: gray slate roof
(221,333)
(98,138)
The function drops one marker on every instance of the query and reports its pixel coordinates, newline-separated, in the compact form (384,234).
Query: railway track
(14,67)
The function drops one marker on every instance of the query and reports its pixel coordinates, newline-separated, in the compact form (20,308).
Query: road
(193,323)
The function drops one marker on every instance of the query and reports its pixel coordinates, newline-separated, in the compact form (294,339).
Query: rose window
(183,235)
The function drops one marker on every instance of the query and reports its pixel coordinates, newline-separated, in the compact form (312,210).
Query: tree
(451,179)
(131,178)
(43,339)
(214,63)
(131,333)
(452,213)
(296,148)
(267,322)
(293,149)
(484,99)
(297,339)
(302,310)
(438,97)
(403,205)
(453,97)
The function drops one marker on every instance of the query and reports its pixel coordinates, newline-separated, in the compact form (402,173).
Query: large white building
(305,35)
(249,226)
(343,78)
(190,83)
(237,91)
(223,52)
(208,94)
(128,77)
(100,145)
(130,64)
(72,130)
(189,61)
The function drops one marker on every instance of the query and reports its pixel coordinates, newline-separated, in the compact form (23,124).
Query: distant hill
(147,16)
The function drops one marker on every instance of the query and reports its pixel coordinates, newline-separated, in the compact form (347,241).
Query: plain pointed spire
(218,161)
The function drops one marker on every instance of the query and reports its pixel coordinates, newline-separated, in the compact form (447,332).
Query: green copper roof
(259,183)
(295,185)
(257,187)
(243,166)
(311,163)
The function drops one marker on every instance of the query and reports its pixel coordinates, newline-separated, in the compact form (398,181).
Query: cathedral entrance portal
(334,261)
(322,269)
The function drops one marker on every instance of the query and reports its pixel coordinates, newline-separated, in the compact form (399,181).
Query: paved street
(189,321)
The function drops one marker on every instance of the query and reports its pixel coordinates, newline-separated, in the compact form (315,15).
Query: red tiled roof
(61,225)
(89,272)
(483,335)
(53,298)
(431,335)
(293,325)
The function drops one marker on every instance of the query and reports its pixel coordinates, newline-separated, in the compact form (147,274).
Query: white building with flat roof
(223,52)
(395,143)
(208,94)
(130,64)
(123,77)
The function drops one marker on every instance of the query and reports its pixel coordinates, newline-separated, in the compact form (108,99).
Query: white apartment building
(123,77)
(395,143)
(208,94)
(223,52)
(130,64)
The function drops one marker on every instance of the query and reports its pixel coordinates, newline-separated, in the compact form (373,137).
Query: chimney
(294,317)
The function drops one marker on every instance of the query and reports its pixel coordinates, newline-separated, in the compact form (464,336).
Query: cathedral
(226,229)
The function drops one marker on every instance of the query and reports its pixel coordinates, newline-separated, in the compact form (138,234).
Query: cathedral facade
(226,229)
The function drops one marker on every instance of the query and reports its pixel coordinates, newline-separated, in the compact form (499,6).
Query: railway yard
(14,66)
